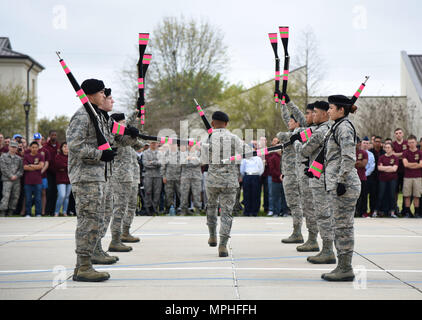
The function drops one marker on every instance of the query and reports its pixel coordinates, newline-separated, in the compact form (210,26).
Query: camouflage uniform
(10,165)
(133,198)
(90,178)
(152,178)
(305,191)
(171,170)
(311,149)
(238,206)
(122,185)
(222,179)
(190,179)
(339,164)
(290,172)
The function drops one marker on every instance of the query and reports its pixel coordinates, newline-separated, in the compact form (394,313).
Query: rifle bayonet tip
(58,54)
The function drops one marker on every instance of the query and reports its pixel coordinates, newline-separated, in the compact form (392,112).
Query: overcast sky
(97,39)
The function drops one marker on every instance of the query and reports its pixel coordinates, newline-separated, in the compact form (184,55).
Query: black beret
(310,106)
(118,116)
(92,86)
(221,116)
(107,92)
(321,105)
(291,116)
(340,100)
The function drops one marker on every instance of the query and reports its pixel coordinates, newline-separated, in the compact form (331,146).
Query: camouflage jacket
(151,161)
(84,157)
(221,145)
(136,170)
(339,159)
(191,164)
(10,165)
(171,168)
(289,160)
(312,147)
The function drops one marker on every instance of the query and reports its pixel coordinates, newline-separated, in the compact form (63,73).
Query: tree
(308,57)
(382,115)
(188,60)
(58,124)
(12,118)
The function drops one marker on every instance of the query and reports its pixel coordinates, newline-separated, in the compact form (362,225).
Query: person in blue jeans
(62,180)
(33,162)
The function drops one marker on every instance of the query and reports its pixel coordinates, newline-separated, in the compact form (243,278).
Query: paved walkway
(173,261)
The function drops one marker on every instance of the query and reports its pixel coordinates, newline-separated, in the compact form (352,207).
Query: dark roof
(416,60)
(6,52)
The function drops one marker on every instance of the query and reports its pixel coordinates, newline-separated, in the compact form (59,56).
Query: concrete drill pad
(173,261)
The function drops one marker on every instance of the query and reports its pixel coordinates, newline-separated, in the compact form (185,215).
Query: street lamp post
(27,107)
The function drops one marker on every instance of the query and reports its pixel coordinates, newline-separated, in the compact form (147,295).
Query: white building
(18,69)
(411,86)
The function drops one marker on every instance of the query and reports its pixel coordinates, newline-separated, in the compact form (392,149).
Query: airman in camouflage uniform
(290,173)
(88,173)
(190,179)
(342,184)
(133,198)
(305,192)
(89,169)
(11,167)
(171,171)
(151,161)
(222,179)
(323,213)
(122,181)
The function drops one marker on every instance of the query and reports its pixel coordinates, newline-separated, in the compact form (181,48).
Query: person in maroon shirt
(399,145)
(412,186)
(265,180)
(52,146)
(274,171)
(62,180)
(44,151)
(33,162)
(388,164)
(361,161)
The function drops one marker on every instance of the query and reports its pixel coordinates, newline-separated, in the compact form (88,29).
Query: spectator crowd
(173,178)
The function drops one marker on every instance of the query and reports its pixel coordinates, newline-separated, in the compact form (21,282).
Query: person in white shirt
(251,170)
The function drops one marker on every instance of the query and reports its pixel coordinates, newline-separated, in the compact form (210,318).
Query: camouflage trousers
(307,204)
(131,208)
(106,207)
(343,212)
(225,198)
(152,192)
(323,213)
(172,188)
(10,194)
(121,197)
(292,194)
(89,196)
(238,206)
(194,185)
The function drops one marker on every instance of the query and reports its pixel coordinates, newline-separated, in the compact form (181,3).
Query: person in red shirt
(62,180)
(412,186)
(44,151)
(388,164)
(274,172)
(399,145)
(361,161)
(52,146)
(33,162)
